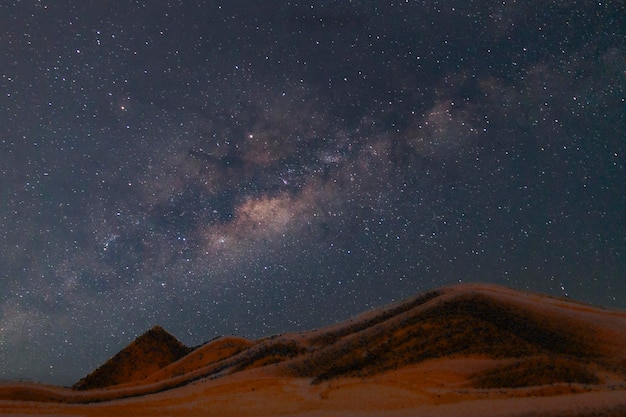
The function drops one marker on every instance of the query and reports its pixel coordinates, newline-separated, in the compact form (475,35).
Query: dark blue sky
(252,168)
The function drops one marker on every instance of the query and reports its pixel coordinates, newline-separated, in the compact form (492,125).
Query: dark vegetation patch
(617,411)
(613,364)
(330,337)
(544,333)
(536,371)
(273,352)
(468,324)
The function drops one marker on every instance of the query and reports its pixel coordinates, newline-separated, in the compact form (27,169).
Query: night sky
(256,167)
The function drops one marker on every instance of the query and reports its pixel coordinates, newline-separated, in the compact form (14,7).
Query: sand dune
(463,350)
(147,354)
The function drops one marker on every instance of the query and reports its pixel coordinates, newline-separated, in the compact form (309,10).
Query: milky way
(250,170)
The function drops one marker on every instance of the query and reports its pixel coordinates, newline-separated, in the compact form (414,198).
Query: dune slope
(150,352)
(466,346)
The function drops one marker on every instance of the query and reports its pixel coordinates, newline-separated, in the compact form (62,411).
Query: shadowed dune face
(470,324)
(331,336)
(536,371)
(510,340)
(147,354)
(476,323)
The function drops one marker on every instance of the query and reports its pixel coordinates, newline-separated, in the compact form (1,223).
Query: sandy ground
(433,388)
(436,387)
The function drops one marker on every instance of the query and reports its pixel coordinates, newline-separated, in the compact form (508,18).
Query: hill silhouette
(485,338)
(147,354)
(448,322)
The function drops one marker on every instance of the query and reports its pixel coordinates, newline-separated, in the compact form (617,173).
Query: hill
(453,344)
(147,354)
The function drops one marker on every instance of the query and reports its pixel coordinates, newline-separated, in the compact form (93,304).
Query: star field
(241,168)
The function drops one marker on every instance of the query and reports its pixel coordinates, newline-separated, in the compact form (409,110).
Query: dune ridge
(470,342)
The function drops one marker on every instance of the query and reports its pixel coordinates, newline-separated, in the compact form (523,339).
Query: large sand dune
(467,350)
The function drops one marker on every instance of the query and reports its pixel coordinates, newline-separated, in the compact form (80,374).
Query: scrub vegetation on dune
(536,371)
(619,411)
(469,324)
(510,341)
(331,336)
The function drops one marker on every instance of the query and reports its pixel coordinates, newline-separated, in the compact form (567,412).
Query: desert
(464,350)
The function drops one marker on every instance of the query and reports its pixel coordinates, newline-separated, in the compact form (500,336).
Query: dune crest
(458,348)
